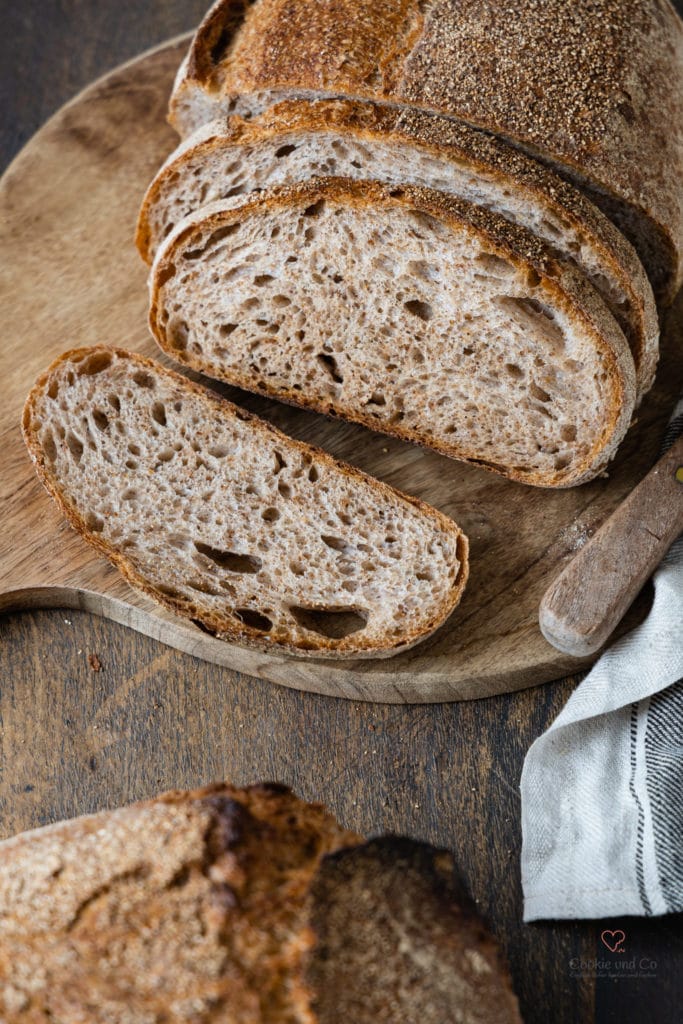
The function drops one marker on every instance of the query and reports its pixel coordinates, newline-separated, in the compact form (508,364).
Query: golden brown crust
(445,139)
(569,290)
(596,88)
(188,907)
(226,627)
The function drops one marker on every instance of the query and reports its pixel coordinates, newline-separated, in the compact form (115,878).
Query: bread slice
(298,140)
(238,906)
(221,518)
(409,311)
(592,89)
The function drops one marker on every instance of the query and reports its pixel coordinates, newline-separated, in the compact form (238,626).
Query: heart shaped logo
(614,940)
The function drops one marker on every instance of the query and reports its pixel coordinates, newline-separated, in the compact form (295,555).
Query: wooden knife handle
(591,595)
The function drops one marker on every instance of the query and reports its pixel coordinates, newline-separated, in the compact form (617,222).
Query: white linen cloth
(602,789)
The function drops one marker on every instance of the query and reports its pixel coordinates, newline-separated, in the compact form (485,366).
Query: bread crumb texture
(409,311)
(227,521)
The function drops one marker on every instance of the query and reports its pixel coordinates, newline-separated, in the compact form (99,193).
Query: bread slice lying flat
(406,310)
(299,140)
(238,906)
(593,89)
(223,519)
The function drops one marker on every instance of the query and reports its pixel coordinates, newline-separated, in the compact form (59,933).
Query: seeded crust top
(595,86)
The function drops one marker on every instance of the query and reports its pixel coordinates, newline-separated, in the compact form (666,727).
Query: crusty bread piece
(406,310)
(213,513)
(438,963)
(298,140)
(190,907)
(238,906)
(595,89)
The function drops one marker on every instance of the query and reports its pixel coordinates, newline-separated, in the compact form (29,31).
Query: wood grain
(582,607)
(165,719)
(70,276)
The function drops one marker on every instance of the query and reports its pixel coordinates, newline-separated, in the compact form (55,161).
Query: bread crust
(594,88)
(156,911)
(238,906)
(226,627)
(445,139)
(569,289)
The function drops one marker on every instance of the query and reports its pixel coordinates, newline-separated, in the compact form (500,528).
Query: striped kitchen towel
(602,789)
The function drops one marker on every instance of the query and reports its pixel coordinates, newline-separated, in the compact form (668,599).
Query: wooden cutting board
(69,275)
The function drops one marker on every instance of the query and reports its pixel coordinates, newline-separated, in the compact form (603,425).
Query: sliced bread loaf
(223,519)
(593,89)
(406,310)
(238,906)
(299,140)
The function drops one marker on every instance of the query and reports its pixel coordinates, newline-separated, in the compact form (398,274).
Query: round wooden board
(70,276)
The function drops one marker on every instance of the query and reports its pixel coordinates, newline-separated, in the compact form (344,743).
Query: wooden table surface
(74,689)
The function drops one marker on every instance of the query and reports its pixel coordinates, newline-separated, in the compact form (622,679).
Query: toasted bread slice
(221,518)
(409,311)
(299,140)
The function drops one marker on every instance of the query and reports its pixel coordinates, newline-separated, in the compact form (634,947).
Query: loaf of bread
(231,906)
(300,140)
(407,310)
(592,89)
(223,519)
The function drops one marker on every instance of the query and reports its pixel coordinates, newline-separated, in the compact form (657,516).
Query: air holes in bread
(333,623)
(49,446)
(495,266)
(315,209)
(100,419)
(177,334)
(568,432)
(94,364)
(313,474)
(423,310)
(284,489)
(330,365)
(75,446)
(94,522)
(538,393)
(533,316)
(159,413)
(285,151)
(229,559)
(144,379)
(166,274)
(270,515)
(255,620)
(336,543)
(514,371)
(214,238)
